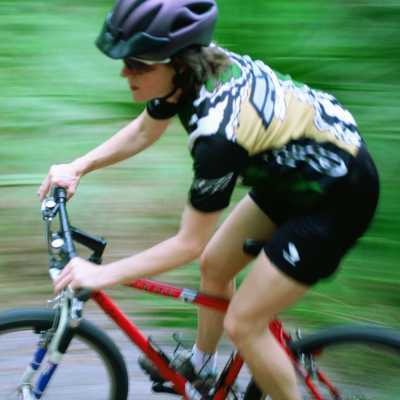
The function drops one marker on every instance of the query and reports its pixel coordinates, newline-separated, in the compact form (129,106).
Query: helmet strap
(170,94)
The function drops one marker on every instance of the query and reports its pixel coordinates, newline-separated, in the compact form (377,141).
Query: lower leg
(271,367)
(210,322)
(222,259)
(265,292)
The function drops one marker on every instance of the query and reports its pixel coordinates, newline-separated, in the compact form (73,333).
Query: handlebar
(60,198)
(61,243)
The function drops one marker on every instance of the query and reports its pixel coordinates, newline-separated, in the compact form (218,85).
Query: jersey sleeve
(161,109)
(217,164)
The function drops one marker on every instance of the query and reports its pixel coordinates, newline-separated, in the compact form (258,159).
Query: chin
(139,97)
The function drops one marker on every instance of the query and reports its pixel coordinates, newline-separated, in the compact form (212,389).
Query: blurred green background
(59,97)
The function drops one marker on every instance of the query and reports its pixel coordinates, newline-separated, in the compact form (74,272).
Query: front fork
(53,342)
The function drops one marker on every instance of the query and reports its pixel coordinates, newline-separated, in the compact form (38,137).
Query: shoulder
(215,154)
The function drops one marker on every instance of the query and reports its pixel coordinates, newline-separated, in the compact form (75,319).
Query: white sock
(205,363)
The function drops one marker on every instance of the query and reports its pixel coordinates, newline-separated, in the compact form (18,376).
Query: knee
(212,276)
(237,329)
(243,328)
(208,267)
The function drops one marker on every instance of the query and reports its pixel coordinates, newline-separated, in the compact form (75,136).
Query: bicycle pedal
(204,386)
(163,388)
(177,337)
(150,369)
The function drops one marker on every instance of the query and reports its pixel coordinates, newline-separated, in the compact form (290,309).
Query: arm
(194,233)
(187,245)
(217,163)
(130,140)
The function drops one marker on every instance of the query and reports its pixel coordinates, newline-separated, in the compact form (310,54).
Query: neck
(173,96)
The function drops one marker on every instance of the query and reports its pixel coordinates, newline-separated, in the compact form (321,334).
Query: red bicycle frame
(180,384)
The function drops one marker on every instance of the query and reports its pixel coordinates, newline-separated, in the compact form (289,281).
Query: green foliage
(60,97)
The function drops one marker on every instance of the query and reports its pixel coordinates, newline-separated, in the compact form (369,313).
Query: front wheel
(92,367)
(347,363)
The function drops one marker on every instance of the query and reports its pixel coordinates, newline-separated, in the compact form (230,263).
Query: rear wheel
(360,363)
(92,367)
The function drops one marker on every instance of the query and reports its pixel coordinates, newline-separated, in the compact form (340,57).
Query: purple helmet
(155,30)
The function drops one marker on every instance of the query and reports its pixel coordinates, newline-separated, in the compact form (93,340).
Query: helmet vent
(144,23)
(135,5)
(181,22)
(200,8)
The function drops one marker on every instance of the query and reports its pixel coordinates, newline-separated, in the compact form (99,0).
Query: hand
(79,273)
(63,175)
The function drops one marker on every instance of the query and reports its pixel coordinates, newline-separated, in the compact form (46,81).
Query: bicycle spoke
(360,372)
(81,374)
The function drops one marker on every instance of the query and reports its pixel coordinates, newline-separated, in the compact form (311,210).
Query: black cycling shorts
(309,246)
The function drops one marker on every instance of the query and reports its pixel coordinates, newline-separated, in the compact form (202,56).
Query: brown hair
(196,65)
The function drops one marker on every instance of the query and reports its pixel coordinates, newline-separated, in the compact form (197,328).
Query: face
(148,82)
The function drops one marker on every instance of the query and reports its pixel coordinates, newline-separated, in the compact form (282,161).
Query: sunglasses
(142,66)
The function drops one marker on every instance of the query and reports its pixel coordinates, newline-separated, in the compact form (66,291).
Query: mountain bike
(45,352)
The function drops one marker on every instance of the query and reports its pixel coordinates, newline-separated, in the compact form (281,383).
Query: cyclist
(314,187)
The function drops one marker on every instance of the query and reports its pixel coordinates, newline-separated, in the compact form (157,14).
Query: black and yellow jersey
(279,136)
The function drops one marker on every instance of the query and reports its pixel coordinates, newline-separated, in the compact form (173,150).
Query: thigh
(265,292)
(224,252)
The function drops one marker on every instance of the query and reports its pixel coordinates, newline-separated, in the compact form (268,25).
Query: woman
(314,185)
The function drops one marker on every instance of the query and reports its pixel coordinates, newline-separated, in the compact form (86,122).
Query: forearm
(195,232)
(169,254)
(129,141)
